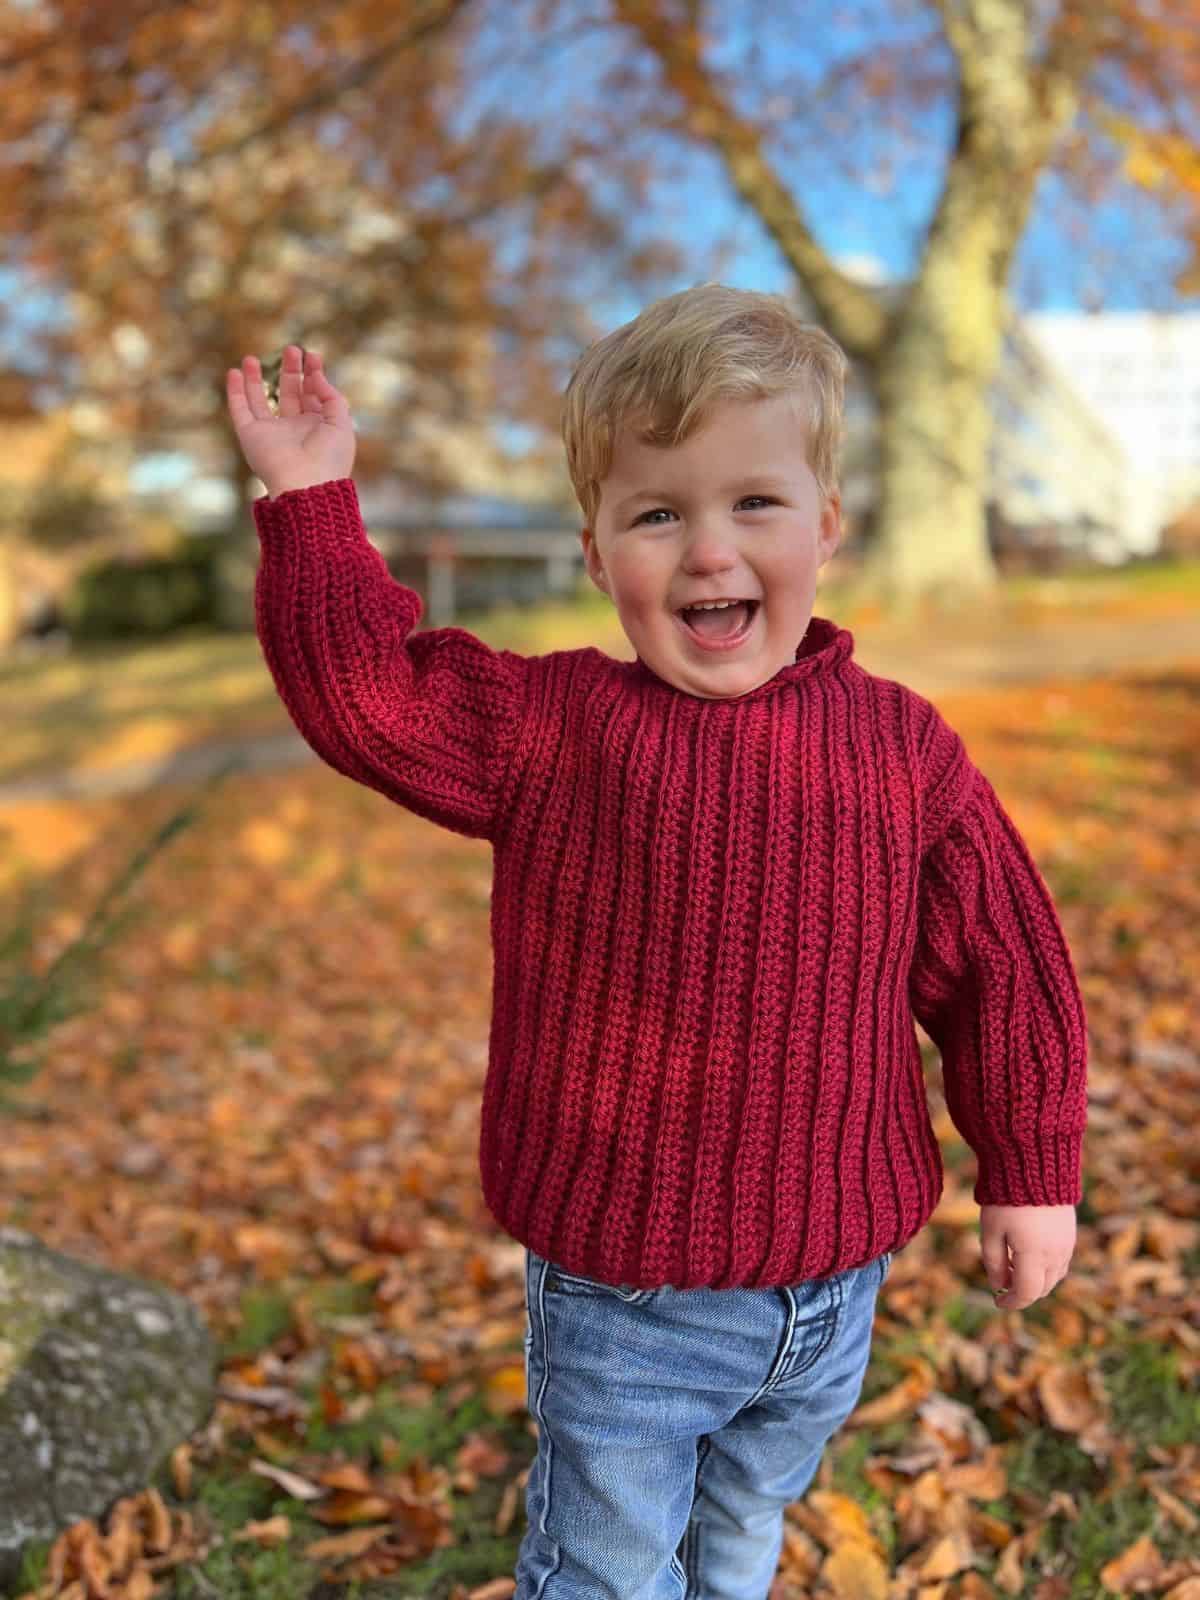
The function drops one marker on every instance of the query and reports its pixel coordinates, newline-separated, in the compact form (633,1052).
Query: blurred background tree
(986,95)
(203,181)
(209,181)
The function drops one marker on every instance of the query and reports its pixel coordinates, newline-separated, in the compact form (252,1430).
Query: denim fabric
(674,1426)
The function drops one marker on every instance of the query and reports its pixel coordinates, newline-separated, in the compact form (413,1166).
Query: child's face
(676,525)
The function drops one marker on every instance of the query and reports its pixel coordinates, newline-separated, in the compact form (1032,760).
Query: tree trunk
(935,423)
(934,378)
(932,359)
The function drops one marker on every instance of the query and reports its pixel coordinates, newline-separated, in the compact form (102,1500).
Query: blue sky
(1115,254)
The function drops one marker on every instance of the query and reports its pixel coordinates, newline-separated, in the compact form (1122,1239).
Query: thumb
(994,1251)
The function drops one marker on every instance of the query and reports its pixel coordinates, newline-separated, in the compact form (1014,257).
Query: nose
(711,546)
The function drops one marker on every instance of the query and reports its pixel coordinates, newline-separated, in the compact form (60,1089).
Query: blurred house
(1139,371)
(473,552)
(1061,482)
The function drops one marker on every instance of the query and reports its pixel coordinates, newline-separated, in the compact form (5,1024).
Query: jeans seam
(539,1274)
(829,1329)
(691,1537)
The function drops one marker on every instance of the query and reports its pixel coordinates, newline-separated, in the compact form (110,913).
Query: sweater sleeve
(430,719)
(992,983)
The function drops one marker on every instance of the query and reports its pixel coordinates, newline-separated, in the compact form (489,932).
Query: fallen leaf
(299,1488)
(1136,1567)
(270,1534)
(855,1572)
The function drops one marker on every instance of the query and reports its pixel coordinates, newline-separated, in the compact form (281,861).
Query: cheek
(638,585)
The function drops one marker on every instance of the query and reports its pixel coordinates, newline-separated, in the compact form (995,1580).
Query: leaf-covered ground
(105,705)
(271,1103)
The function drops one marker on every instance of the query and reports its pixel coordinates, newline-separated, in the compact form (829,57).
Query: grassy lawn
(103,706)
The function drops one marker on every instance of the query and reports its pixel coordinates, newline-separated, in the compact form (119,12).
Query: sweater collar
(823,649)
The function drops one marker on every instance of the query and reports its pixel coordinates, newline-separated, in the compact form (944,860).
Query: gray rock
(101,1376)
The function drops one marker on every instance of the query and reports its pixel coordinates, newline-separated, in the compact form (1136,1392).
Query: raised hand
(310,441)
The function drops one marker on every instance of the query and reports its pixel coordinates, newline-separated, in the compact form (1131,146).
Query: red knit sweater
(713,922)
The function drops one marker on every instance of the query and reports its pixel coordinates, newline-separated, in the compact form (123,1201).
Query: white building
(1139,371)
(1058,475)
(1058,478)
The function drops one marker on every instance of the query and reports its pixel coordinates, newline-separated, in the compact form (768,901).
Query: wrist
(287,485)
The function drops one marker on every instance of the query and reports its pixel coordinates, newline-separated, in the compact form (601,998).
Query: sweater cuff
(1049,1173)
(327,513)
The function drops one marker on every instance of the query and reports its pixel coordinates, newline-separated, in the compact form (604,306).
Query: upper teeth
(713,605)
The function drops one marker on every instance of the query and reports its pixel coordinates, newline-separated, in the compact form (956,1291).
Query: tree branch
(435,15)
(854,315)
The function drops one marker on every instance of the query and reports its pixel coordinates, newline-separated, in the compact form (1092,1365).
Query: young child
(727,876)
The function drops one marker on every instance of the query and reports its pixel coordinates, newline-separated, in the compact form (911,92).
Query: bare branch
(854,315)
(435,16)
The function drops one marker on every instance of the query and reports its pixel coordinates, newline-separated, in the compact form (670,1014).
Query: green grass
(108,703)
(1150,1401)
(1173,578)
(265,1311)
(431,1433)
(242,1570)
(266,1314)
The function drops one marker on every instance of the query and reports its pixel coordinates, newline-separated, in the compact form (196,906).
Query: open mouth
(720,629)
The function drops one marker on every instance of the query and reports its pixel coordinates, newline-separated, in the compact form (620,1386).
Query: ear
(829,535)
(591,560)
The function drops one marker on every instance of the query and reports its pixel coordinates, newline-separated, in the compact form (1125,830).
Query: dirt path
(1078,648)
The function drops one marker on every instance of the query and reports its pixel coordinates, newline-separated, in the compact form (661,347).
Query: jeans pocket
(558,1281)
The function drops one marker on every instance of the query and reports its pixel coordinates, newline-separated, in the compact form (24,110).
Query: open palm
(310,441)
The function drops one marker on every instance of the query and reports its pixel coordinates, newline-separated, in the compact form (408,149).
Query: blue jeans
(674,1426)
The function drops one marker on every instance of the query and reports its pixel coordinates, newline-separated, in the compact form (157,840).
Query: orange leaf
(347,1544)
(949,1555)
(1138,1565)
(855,1572)
(181,1470)
(842,1519)
(124,1540)
(353,1508)
(504,1391)
(345,1475)
(482,1455)
(270,1534)
(1068,1399)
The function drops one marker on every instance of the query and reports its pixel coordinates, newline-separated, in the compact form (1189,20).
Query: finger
(291,382)
(1025,1285)
(235,395)
(312,368)
(333,403)
(256,395)
(996,1263)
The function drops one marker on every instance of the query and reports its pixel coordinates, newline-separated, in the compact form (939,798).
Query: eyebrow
(763,480)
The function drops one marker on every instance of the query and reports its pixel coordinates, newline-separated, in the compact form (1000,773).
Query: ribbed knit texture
(713,922)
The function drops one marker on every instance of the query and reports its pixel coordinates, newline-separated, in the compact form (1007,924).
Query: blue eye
(767,500)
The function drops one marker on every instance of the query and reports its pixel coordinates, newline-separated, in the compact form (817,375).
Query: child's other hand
(1041,1240)
(310,441)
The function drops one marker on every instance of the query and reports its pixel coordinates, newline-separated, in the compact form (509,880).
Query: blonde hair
(662,373)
